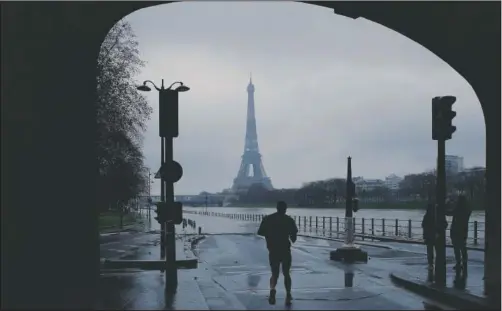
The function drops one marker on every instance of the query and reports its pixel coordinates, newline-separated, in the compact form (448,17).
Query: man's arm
(262,231)
(294,231)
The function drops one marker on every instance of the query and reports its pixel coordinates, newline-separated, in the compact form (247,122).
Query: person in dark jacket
(429,226)
(458,233)
(279,229)
(429,234)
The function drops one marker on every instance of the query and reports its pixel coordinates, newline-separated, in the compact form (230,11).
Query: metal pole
(440,269)
(162,199)
(171,276)
(171,269)
(348,204)
(149,193)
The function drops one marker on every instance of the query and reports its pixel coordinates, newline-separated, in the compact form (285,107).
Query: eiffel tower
(251,170)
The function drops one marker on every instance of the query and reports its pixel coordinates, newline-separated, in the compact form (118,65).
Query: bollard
(323,226)
(200,230)
(316,224)
(310,221)
(372,227)
(396,227)
(304,221)
(409,228)
(383,226)
(475,232)
(330,226)
(337,225)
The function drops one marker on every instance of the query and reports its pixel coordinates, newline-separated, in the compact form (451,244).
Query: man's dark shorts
(276,258)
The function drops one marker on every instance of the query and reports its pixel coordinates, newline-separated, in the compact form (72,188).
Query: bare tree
(122,113)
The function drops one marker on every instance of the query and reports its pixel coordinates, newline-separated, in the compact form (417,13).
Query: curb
(447,296)
(471,248)
(340,240)
(196,240)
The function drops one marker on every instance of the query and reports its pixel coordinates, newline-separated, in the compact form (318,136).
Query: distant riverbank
(412,205)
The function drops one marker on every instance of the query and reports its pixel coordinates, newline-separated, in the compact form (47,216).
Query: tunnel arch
(63,39)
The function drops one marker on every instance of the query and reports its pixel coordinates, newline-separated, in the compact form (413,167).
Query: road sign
(171,172)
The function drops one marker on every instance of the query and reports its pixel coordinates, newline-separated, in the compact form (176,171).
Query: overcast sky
(327,87)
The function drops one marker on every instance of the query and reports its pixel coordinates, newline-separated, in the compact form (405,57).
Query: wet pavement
(233,274)
(237,265)
(384,257)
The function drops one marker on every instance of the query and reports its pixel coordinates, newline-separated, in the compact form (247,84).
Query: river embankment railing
(382,229)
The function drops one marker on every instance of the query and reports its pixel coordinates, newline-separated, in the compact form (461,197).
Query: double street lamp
(145,88)
(170,172)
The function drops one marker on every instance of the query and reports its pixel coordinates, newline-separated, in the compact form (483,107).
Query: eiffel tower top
(250,87)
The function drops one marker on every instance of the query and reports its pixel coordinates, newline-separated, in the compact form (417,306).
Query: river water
(391,214)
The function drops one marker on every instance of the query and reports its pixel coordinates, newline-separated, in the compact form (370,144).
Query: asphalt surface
(386,258)
(233,273)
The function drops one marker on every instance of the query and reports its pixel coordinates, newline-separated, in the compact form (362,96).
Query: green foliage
(122,113)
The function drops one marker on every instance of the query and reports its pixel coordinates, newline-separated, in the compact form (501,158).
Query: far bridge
(191,200)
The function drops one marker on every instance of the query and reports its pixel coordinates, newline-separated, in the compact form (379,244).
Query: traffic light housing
(161,211)
(175,213)
(442,117)
(169,212)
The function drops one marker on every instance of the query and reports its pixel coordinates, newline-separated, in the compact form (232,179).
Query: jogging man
(279,231)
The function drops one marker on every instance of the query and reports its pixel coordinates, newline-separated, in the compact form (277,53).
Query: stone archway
(47,129)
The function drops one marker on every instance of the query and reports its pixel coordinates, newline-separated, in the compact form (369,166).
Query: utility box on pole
(168,113)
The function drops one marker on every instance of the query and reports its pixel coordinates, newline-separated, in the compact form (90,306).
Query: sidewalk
(134,289)
(460,294)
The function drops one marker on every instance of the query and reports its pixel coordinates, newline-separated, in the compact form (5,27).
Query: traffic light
(161,211)
(442,117)
(175,213)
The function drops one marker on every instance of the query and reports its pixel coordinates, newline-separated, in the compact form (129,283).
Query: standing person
(279,231)
(458,233)
(429,234)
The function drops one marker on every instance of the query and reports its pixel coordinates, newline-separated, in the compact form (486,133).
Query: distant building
(474,170)
(392,182)
(367,184)
(454,164)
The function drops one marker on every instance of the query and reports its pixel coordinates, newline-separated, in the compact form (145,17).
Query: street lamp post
(168,130)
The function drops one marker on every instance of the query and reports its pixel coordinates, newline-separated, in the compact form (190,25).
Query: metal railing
(364,228)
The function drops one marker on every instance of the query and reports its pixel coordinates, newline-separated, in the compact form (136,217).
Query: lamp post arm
(150,81)
(181,83)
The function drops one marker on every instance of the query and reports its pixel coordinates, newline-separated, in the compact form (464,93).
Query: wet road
(233,273)
(237,265)
(386,258)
